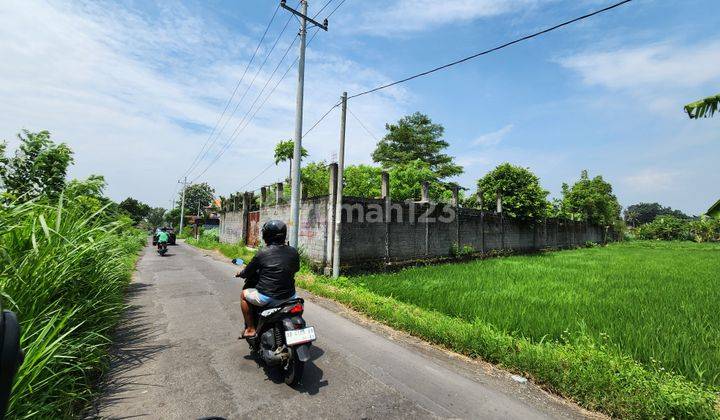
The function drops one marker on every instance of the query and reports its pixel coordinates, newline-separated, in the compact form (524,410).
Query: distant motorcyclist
(270,275)
(162,238)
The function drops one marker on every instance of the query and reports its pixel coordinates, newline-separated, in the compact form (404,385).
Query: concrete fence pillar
(263,196)
(499,210)
(455,202)
(245,212)
(482,221)
(387,204)
(455,189)
(385,185)
(278,193)
(425,194)
(330,219)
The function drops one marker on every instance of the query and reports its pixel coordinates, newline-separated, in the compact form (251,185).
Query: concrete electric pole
(296,161)
(182,203)
(339,189)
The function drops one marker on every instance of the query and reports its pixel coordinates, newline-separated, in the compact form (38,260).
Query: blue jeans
(258,299)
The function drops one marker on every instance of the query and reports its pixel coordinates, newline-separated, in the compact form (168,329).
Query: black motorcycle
(282,339)
(162,248)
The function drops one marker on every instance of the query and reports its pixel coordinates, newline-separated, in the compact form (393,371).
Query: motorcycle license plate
(304,335)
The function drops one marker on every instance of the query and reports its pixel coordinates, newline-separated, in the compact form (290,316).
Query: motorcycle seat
(286,302)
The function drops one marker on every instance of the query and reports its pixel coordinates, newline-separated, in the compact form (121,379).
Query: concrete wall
(414,231)
(313,225)
(231,227)
(313,230)
(421,233)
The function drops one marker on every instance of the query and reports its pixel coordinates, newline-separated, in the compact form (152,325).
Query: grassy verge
(64,271)
(576,368)
(209,241)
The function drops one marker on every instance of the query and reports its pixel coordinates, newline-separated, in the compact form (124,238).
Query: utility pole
(197,226)
(182,203)
(296,160)
(339,189)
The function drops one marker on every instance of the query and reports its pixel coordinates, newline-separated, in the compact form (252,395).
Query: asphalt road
(177,356)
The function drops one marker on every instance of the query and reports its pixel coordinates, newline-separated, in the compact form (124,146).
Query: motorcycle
(282,339)
(162,248)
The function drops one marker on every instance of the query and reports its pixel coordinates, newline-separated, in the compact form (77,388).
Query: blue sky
(134,87)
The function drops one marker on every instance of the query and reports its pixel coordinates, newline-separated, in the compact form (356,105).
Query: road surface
(177,356)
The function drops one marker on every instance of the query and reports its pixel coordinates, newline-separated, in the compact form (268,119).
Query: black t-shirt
(272,271)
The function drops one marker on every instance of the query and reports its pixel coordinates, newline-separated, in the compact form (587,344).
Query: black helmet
(274,232)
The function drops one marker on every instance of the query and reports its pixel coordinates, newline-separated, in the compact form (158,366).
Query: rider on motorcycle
(270,275)
(162,237)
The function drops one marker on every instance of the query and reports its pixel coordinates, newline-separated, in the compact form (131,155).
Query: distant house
(714,210)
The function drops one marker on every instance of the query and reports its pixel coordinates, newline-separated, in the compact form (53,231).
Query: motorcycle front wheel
(294,369)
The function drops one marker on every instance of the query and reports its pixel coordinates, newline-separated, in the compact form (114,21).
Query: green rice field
(656,302)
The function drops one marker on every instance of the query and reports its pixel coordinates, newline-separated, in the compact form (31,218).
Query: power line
(499,47)
(247,89)
(258,175)
(336,7)
(303,136)
(363,125)
(233,136)
(229,101)
(320,120)
(240,127)
(322,8)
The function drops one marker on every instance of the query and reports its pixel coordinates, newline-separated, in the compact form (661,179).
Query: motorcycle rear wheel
(294,369)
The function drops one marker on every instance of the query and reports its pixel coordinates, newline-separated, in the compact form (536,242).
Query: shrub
(705,230)
(667,228)
(461,251)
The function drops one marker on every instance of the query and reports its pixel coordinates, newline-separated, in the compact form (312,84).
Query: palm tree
(284,152)
(704,108)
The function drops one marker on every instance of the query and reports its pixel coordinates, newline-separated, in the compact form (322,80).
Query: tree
(38,168)
(172,217)
(591,200)
(642,213)
(406,181)
(315,178)
(522,196)
(362,181)
(155,216)
(197,195)
(137,210)
(704,108)
(285,150)
(415,137)
(88,195)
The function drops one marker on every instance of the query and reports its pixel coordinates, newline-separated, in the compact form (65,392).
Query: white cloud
(134,96)
(493,138)
(644,67)
(659,77)
(403,16)
(652,179)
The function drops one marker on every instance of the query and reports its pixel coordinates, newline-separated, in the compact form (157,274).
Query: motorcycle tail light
(296,309)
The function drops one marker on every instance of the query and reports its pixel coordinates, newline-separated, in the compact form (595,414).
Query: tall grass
(209,239)
(653,301)
(64,271)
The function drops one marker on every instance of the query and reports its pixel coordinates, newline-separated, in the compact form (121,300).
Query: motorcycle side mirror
(238,261)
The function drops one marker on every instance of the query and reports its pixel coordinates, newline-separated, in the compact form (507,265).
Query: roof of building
(715,207)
